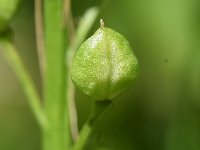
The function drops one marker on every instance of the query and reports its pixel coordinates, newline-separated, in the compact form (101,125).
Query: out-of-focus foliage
(7,10)
(161,111)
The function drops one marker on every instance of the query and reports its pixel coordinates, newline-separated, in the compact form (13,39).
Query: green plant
(7,10)
(104,66)
(57,45)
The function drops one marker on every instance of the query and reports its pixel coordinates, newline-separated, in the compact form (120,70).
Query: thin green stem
(84,135)
(10,54)
(57,136)
(98,110)
(84,27)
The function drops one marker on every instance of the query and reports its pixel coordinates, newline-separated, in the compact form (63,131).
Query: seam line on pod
(108,52)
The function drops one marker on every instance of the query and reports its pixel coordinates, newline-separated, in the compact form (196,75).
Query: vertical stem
(57,135)
(70,87)
(40,36)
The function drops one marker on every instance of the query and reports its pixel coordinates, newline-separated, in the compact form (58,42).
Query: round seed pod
(104,66)
(7,10)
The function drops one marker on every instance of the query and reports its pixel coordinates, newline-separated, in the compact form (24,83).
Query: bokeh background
(160,112)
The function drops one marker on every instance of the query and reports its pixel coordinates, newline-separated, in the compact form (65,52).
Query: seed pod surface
(104,66)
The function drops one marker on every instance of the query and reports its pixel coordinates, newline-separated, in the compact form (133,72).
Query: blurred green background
(160,112)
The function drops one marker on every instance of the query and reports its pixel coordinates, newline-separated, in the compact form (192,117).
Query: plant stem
(84,26)
(10,54)
(98,110)
(40,37)
(57,135)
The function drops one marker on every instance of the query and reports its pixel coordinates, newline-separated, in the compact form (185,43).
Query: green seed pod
(104,66)
(7,10)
